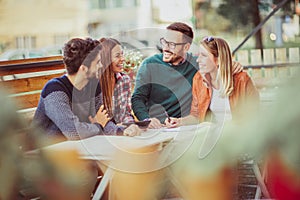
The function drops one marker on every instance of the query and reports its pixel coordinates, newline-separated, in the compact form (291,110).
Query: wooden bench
(24,80)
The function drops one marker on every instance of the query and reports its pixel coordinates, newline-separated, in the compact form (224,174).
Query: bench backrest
(24,79)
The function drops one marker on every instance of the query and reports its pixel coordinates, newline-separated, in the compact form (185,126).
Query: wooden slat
(27,101)
(255,57)
(269,57)
(281,55)
(30,60)
(26,91)
(27,84)
(242,57)
(31,65)
(294,55)
(11,70)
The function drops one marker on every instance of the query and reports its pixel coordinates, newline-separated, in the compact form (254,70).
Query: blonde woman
(218,93)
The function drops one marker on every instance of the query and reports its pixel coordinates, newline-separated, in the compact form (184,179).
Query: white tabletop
(112,150)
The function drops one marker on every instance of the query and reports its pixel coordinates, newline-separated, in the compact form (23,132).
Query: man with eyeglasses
(163,85)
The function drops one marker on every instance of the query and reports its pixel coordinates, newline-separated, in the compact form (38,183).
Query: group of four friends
(94,96)
(172,88)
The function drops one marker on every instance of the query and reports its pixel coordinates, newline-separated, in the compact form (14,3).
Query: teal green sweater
(163,87)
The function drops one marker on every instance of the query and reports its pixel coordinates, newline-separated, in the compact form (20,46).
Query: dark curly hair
(78,51)
(183,28)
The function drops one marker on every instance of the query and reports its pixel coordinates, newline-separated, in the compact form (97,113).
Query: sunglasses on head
(208,39)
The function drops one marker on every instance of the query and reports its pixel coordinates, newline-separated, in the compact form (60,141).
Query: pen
(169,119)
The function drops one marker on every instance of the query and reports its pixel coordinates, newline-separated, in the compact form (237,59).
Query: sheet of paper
(183,128)
(177,129)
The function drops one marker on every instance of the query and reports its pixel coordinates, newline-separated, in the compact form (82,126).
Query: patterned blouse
(121,99)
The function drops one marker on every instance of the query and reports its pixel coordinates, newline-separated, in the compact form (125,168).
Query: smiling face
(206,61)
(177,54)
(117,59)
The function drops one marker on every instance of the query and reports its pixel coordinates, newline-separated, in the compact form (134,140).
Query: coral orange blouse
(244,93)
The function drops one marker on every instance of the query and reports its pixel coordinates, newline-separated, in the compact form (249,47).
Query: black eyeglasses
(171,45)
(208,39)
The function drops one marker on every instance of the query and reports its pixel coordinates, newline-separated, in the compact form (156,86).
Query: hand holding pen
(168,117)
(171,122)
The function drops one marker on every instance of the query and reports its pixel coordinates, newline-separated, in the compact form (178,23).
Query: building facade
(39,23)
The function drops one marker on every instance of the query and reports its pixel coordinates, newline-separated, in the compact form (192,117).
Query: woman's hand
(132,130)
(172,122)
(236,67)
(155,123)
(101,117)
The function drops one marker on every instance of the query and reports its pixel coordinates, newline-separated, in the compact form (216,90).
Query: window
(26,42)
(103,4)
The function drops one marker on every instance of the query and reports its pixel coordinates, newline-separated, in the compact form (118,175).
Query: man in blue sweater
(164,81)
(71,106)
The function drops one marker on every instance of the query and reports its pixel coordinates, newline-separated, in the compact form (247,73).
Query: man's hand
(155,123)
(236,67)
(101,117)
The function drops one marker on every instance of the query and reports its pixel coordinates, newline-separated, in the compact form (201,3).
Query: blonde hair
(220,49)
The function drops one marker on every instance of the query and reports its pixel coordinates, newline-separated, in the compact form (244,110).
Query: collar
(183,61)
(206,80)
(118,76)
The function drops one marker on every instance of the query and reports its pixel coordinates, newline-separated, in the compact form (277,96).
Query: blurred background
(270,54)
(38,28)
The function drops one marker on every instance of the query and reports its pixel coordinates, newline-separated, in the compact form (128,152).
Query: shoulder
(241,76)
(157,58)
(55,85)
(192,60)
(198,81)
(123,77)
(152,64)
(197,77)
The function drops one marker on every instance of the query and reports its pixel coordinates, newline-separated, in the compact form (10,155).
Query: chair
(252,179)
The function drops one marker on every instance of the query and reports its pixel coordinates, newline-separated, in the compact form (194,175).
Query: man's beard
(175,57)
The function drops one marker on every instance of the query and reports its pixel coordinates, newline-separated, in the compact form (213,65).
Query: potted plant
(133,59)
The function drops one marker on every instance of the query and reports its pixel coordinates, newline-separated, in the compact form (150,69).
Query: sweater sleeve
(58,109)
(141,93)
